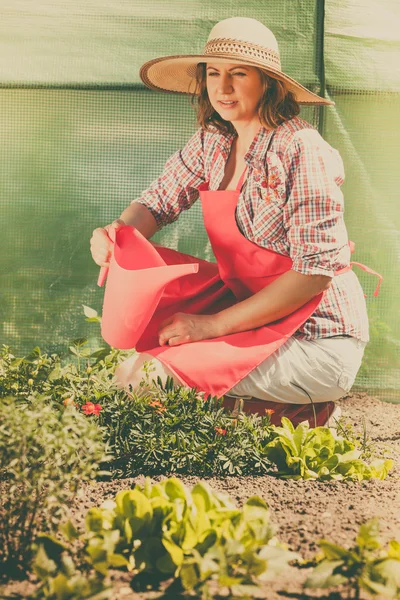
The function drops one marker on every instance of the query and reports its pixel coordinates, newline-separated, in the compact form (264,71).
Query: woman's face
(234,91)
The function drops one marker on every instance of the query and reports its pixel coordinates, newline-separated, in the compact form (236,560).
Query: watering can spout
(136,281)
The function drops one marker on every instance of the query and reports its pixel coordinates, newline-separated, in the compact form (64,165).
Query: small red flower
(220,431)
(269,411)
(91,409)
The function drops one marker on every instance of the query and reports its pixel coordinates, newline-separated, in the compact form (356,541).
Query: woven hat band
(227,48)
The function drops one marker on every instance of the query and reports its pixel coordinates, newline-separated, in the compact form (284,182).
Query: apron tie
(372,272)
(363,267)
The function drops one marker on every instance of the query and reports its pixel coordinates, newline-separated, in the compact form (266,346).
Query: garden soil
(302,511)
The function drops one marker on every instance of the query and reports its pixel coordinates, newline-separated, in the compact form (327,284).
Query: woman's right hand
(101,245)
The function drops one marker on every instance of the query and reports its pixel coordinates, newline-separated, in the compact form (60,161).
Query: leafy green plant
(156,429)
(361,440)
(198,538)
(45,453)
(365,566)
(319,453)
(165,429)
(60,578)
(81,377)
(173,430)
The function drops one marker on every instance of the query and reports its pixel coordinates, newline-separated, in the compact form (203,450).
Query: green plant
(156,429)
(60,578)
(173,430)
(165,429)
(304,453)
(361,440)
(45,453)
(82,377)
(164,531)
(365,566)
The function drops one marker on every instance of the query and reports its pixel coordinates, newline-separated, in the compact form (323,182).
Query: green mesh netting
(81,137)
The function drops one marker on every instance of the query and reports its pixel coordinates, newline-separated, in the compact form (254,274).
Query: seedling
(365,566)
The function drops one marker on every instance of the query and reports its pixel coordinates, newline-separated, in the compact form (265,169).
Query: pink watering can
(136,280)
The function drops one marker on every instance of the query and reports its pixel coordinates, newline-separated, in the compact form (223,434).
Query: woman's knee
(142,367)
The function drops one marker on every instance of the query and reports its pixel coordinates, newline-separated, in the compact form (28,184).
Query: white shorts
(325,368)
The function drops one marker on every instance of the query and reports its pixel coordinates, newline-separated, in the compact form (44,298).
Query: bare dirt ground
(303,511)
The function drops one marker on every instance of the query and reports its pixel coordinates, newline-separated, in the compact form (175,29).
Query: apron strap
(372,272)
(364,268)
(241,180)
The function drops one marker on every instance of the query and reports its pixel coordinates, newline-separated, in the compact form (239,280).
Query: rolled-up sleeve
(176,188)
(313,213)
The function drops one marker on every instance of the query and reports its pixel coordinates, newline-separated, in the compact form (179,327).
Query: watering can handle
(104,270)
(102,276)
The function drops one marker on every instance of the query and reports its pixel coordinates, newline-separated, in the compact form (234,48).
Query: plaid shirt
(290,203)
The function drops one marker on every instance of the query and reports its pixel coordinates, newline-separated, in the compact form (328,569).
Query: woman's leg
(133,371)
(324,368)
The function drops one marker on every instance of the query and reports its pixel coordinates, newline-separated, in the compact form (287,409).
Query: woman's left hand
(183,329)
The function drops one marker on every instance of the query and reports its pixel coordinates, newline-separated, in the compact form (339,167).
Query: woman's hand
(101,244)
(183,329)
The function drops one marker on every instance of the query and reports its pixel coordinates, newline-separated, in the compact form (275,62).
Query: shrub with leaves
(165,429)
(366,566)
(173,430)
(79,378)
(45,453)
(154,429)
(319,453)
(165,531)
(61,579)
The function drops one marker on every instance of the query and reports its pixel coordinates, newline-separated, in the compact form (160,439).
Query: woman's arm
(280,298)
(317,237)
(175,190)
(141,218)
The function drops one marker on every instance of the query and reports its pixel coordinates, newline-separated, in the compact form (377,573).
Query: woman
(295,327)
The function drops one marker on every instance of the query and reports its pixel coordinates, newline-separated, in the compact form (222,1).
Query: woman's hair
(276,106)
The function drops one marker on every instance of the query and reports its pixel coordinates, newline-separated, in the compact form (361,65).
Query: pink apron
(243,268)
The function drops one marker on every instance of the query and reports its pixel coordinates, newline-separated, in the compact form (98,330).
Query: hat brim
(177,74)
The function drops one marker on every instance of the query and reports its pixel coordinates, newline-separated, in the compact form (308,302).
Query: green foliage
(83,376)
(60,578)
(319,453)
(45,453)
(154,430)
(173,430)
(361,440)
(366,566)
(165,531)
(165,429)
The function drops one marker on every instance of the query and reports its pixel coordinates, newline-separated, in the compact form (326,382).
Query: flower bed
(316,483)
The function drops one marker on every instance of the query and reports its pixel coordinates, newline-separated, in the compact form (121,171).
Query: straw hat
(236,40)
